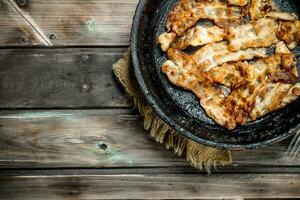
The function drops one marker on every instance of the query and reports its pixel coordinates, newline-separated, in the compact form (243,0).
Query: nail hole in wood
(85,58)
(102,146)
(85,87)
(23,40)
(52,37)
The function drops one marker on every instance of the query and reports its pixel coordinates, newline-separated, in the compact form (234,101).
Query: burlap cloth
(200,156)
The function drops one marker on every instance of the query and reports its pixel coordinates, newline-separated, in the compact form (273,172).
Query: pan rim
(152,102)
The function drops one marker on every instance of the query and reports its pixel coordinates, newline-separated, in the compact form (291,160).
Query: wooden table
(68,131)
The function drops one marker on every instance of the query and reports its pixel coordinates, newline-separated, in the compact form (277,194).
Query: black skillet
(180,108)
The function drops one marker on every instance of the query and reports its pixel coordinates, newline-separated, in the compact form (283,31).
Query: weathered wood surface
(14,29)
(101,138)
(143,186)
(67,22)
(105,153)
(60,78)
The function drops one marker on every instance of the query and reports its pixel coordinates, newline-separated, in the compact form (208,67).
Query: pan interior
(180,107)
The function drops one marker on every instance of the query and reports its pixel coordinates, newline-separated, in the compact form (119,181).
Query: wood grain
(75,22)
(77,139)
(14,29)
(101,138)
(141,186)
(60,78)
(98,154)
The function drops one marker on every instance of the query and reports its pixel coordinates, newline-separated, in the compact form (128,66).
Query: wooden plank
(76,22)
(76,139)
(101,138)
(15,30)
(157,186)
(60,78)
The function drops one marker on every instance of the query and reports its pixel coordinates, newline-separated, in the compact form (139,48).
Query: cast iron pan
(180,108)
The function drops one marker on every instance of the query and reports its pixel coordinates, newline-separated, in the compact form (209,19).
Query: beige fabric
(198,155)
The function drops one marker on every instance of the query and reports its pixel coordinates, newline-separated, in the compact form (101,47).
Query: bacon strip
(215,54)
(259,8)
(221,13)
(290,33)
(165,40)
(198,36)
(274,96)
(276,68)
(183,16)
(284,16)
(181,70)
(187,12)
(238,2)
(261,33)
(263,8)
(232,74)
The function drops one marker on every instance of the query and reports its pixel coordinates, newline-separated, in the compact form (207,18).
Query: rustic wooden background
(67,130)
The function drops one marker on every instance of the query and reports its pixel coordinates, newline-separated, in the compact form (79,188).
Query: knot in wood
(90,24)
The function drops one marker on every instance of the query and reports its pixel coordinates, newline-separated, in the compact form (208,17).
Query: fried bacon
(165,40)
(292,95)
(213,106)
(263,8)
(264,73)
(259,8)
(261,33)
(284,16)
(215,54)
(221,13)
(255,87)
(230,2)
(187,12)
(273,96)
(198,36)
(183,16)
(238,2)
(181,71)
(256,92)
(240,101)
(254,100)
(231,74)
(276,68)
(281,48)
(290,33)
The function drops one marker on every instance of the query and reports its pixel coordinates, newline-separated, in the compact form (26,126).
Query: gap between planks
(148,170)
